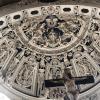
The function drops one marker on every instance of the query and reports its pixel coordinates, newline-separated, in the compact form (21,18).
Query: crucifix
(69,83)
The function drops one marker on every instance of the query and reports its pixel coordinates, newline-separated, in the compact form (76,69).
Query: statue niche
(54,69)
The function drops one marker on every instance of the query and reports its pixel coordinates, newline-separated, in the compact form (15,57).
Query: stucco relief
(37,44)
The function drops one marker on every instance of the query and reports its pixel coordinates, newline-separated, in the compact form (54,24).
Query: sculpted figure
(71,91)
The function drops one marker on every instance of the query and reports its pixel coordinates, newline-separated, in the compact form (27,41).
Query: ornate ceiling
(37,44)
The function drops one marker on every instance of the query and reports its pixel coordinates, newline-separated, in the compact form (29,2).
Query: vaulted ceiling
(39,43)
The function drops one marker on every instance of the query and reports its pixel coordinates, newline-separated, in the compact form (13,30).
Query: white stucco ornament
(39,43)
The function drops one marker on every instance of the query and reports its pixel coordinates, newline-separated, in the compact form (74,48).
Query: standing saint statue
(69,82)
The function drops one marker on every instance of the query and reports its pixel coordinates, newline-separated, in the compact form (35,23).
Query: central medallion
(52,32)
